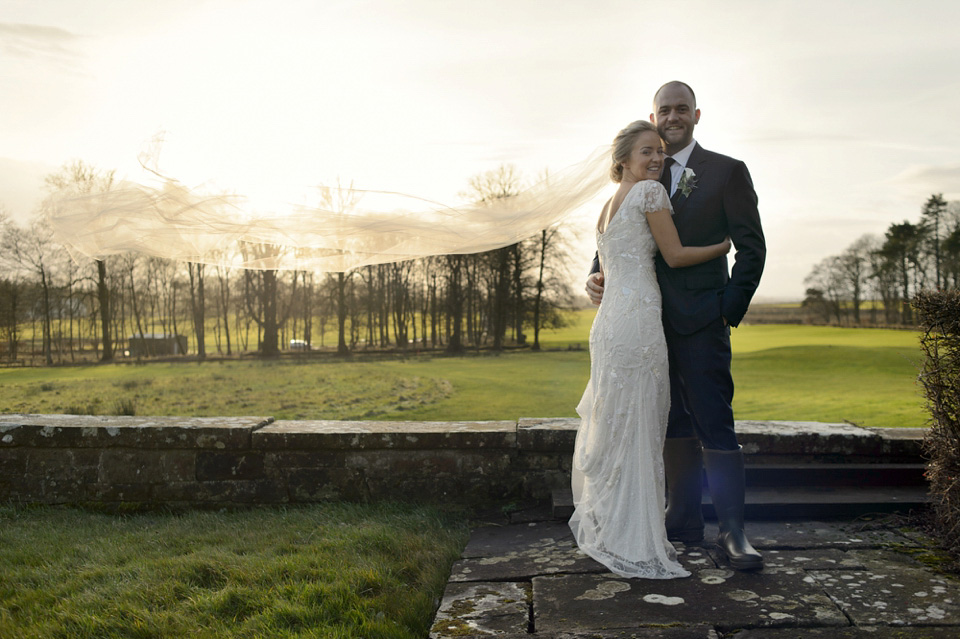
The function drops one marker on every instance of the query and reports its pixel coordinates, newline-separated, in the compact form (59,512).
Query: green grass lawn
(331,570)
(866,377)
(784,372)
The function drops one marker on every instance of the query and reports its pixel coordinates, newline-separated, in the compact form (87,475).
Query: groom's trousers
(701,386)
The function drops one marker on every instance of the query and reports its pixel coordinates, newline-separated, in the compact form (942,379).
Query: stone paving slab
(895,595)
(532,514)
(802,559)
(873,632)
(521,552)
(526,563)
(884,559)
(700,632)
(492,541)
(816,534)
(812,559)
(821,579)
(483,610)
(718,597)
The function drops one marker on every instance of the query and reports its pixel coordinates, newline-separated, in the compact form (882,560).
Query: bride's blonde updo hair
(623,144)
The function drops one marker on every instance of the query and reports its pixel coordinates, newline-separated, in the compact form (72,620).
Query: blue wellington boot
(727,481)
(683,468)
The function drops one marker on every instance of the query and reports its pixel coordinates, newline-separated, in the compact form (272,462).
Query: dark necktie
(667,176)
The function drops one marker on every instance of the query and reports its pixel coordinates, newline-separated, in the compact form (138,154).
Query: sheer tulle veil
(336,229)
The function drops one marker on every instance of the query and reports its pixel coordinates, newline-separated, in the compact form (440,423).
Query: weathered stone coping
(332,434)
(82,431)
(67,458)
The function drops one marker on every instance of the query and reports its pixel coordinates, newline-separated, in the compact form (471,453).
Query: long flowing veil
(336,229)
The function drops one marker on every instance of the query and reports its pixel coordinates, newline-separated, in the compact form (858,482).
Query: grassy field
(786,372)
(331,571)
(866,377)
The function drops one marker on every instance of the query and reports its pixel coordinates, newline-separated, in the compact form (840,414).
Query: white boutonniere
(688,182)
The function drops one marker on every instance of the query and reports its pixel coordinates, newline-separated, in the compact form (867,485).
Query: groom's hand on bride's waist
(594,287)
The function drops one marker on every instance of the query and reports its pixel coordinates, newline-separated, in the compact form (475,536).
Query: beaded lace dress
(618,481)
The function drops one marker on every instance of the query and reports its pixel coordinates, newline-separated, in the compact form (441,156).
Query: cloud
(943,178)
(38,43)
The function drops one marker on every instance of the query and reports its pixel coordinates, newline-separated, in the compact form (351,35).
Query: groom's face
(675,114)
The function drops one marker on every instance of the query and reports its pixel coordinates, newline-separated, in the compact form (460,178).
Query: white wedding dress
(618,482)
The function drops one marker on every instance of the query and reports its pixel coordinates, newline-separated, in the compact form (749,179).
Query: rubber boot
(683,468)
(728,488)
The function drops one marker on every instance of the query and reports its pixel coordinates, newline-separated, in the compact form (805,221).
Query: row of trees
(874,279)
(453,302)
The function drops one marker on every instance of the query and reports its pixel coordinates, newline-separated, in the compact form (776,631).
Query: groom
(712,198)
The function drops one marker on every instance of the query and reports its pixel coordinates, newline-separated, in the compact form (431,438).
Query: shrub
(125,406)
(940,316)
(89,408)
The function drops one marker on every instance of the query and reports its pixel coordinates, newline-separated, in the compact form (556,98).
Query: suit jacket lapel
(678,199)
(696,158)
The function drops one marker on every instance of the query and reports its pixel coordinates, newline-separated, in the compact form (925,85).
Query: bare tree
(340,200)
(431,266)
(306,309)
(455,303)
(11,313)
(826,287)
(504,265)
(372,295)
(550,248)
(223,302)
(33,251)
(401,276)
(261,291)
(853,266)
(81,178)
(11,297)
(261,303)
(129,268)
(198,306)
(341,280)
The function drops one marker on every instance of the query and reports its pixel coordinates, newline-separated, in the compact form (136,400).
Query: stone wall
(246,460)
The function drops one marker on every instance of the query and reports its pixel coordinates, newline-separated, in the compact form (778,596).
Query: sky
(843,110)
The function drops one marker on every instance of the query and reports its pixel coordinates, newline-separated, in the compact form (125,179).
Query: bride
(618,481)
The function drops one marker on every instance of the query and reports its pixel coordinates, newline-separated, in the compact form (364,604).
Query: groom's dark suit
(696,299)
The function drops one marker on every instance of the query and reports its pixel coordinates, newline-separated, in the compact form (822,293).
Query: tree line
(874,279)
(75,308)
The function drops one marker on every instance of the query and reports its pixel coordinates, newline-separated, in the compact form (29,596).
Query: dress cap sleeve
(649,196)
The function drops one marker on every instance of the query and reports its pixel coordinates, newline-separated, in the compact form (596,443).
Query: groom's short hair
(683,84)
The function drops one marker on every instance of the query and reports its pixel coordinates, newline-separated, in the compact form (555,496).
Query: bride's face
(646,159)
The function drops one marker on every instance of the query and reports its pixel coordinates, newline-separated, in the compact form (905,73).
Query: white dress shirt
(681,158)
